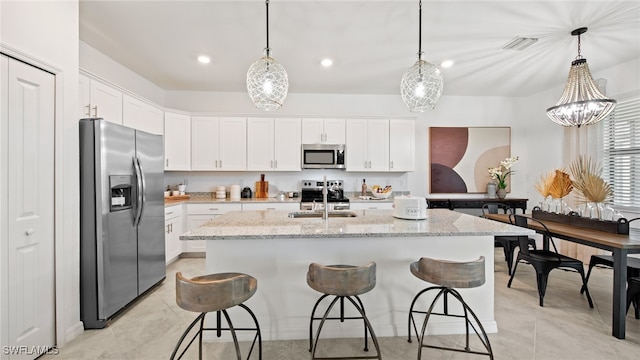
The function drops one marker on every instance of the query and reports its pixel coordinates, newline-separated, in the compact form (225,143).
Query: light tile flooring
(565,328)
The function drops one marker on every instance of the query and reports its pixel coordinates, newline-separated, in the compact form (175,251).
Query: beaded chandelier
(581,103)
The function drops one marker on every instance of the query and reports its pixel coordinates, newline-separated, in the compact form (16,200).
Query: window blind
(621,160)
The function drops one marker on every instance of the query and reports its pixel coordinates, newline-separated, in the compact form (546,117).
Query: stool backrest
(214,292)
(493,208)
(342,280)
(452,274)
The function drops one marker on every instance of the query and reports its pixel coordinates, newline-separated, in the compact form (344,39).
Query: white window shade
(621,160)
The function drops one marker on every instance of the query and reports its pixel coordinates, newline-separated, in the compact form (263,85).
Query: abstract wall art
(461,156)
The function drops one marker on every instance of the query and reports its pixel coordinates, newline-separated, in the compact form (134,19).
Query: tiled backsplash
(282,181)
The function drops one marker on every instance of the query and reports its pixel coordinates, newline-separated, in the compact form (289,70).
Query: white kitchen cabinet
(287,206)
(367,145)
(177,141)
(97,99)
(402,145)
(371,205)
(200,214)
(173,227)
(323,131)
(273,144)
(218,143)
(141,115)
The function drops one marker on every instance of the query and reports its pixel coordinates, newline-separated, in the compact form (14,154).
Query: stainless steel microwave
(323,156)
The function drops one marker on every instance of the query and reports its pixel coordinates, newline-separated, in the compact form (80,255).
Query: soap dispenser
(364,188)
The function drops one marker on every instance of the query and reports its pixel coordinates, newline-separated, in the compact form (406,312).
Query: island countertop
(272,224)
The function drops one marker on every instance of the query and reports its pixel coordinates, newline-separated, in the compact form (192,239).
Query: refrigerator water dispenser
(121,192)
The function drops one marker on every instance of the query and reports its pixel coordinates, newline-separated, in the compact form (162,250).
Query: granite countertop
(244,225)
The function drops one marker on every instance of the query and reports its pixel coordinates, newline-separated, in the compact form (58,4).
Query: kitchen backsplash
(281,181)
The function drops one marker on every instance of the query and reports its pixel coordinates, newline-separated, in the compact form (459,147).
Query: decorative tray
(617,227)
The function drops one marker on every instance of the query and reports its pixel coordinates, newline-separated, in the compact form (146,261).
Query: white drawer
(212,208)
(292,206)
(172,212)
(373,205)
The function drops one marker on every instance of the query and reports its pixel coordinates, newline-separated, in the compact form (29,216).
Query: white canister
(234,192)
(221,192)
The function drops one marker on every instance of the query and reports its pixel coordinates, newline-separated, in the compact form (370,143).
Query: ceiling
(372,42)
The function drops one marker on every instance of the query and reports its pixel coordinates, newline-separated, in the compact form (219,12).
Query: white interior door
(29,192)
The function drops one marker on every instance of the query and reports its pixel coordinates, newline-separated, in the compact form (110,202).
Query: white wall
(46,34)
(105,68)
(450,111)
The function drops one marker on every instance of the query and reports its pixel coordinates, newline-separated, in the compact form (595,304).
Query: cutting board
(262,188)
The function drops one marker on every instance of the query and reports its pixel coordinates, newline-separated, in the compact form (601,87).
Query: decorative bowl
(380,195)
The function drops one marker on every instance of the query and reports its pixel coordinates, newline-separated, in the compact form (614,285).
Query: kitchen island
(277,250)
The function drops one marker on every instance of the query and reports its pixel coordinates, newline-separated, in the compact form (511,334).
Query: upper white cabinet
(97,99)
(323,131)
(402,145)
(177,141)
(141,115)
(218,143)
(273,144)
(367,145)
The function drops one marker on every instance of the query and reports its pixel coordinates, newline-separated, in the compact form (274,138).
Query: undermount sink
(313,214)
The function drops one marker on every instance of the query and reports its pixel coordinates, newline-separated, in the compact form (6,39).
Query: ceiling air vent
(519,43)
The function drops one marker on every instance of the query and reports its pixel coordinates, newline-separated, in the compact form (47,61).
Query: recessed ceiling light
(447,63)
(326,62)
(204,59)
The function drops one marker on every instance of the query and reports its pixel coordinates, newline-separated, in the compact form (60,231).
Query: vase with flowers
(500,173)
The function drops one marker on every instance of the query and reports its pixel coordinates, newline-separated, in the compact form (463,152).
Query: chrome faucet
(325,211)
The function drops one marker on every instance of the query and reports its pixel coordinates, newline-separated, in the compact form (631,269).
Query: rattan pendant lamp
(421,84)
(581,103)
(267,81)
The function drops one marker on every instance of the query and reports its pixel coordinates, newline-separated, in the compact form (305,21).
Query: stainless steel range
(312,195)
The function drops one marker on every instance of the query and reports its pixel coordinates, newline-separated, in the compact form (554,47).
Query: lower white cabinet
(373,205)
(292,206)
(173,228)
(200,214)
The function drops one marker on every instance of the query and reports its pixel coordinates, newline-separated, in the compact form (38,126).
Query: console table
(476,203)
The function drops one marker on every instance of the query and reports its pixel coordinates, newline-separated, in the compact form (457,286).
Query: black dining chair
(544,261)
(507,243)
(633,295)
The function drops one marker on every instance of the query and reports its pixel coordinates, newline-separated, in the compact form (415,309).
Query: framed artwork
(461,156)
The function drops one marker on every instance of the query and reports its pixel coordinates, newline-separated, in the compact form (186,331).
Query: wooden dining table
(620,245)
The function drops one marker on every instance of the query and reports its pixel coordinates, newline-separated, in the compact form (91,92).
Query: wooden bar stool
(449,275)
(343,282)
(216,292)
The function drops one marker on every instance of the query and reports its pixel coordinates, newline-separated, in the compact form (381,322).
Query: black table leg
(619,314)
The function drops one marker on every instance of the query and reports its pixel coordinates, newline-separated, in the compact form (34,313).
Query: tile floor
(565,328)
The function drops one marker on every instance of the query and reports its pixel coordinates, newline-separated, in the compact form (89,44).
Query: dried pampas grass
(543,186)
(588,182)
(561,185)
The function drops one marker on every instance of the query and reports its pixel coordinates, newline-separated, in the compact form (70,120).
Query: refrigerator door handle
(143,196)
(139,190)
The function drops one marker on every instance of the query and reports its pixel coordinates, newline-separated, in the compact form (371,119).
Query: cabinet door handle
(169,213)
(29,232)
(276,162)
(391,164)
(221,164)
(216,209)
(95,111)
(88,113)
(167,165)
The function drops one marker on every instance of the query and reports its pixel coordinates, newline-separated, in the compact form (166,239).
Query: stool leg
(313,314)
(367,325)
(426,320)
(366,346)
(482,335)
(258,333)
(200,319)
(233,333)
(411,311)
(324,318)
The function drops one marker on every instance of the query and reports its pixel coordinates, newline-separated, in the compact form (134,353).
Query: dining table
(620,246)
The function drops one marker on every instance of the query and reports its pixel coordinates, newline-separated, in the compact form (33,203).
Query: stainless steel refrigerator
(122,245)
